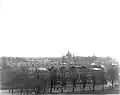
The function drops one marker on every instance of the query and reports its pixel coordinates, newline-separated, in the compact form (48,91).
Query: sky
(51,28)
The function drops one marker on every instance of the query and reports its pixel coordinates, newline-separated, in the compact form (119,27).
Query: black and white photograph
(59,47)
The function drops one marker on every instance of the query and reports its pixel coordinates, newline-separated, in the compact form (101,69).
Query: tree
(4,62)
(113,74)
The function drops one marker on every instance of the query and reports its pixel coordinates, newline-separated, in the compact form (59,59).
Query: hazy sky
(52,27)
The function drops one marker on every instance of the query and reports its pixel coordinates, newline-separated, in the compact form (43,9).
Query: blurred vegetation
(113,73)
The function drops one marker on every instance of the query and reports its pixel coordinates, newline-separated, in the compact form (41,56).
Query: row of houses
(71,58)
(68,58)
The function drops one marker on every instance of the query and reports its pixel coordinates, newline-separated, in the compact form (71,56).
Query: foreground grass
(110,90)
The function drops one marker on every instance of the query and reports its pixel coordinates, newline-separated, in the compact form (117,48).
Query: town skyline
(49,30)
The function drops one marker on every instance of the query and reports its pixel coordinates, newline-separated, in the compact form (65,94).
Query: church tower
(69,56)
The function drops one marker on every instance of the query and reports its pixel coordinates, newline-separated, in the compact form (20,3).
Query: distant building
(71,59)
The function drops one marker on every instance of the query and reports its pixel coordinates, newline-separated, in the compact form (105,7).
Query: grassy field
(98,90)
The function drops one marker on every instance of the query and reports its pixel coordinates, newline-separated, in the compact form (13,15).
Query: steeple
(74,59)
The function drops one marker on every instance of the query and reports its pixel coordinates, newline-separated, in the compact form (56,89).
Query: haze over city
(51,29)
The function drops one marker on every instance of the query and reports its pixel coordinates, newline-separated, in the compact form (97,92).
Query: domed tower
(69,56)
